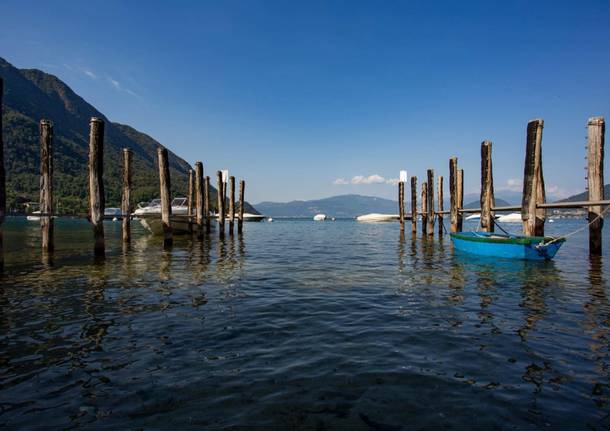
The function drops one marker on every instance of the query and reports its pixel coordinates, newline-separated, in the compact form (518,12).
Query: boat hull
(504,246)
(153,224)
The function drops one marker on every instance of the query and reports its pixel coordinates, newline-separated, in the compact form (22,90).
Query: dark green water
(300,325)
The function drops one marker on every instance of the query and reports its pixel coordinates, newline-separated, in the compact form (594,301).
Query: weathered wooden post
(414,204)
(240,218)
(231,204)
(166,199)
(439,192)
(206,204)
(533,181)
(595,180)
(487,188)
(221,211)
(190,207)
(430,203)
(460,198)
(2,180)
(46,184)
(453,193)
(97,202)
(199,198)
(401,205)
(424,208)
(126,200)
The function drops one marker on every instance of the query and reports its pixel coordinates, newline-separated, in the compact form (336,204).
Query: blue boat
(507,246)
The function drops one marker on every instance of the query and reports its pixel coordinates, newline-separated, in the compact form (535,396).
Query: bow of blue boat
(507,246)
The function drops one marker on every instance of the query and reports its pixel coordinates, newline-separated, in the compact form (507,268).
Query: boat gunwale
(517,239)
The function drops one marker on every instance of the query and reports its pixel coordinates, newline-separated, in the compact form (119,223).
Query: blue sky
(300,97)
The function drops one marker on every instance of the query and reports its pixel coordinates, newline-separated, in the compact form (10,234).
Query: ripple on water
(300,325)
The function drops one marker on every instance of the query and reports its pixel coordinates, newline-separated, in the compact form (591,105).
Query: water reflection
(331,325)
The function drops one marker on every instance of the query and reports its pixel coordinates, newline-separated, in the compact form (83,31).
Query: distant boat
(254,217)
(269,219)
(35,216)
(374,217)
(477,216)
(510,218)
(319,217)
(112,213)
(507,246)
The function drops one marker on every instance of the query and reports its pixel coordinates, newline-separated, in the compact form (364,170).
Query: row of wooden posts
(198,216)
(198,193)
(533,206)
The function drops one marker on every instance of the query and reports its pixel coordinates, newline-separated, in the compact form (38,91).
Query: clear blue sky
(295,96)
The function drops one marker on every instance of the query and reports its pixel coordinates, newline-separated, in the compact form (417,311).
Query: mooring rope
(580,229)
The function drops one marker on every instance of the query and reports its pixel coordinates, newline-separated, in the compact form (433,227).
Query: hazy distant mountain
(477,203)
(336,206)
(585,195)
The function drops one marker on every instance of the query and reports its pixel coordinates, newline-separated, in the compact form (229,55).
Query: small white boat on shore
(319,217)
(510,218)
(374,217)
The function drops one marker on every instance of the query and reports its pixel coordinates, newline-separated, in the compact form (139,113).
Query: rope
(501,228)
(580,229)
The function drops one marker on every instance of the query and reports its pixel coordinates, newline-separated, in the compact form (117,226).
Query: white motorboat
(253,217)
(510,218)
(35,216)
(150,216)
(319,217)
(473,217)
(375,217)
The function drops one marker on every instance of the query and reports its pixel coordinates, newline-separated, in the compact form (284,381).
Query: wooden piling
(206,205)
(430,203)
(97,202)
(401,205)
(424,208)
(414,204)
(231,204)
(220,198)
(126,199)
(165,193)
(2,180)
(46,185)
(533,181)
(190,208)
(460,198)
(595,180)
(199,198)
(453,204)
(487,188)
(439,193)
(240,219)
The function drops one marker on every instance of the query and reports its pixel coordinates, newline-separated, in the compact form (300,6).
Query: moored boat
(507,246)
(319,217)
(510,218)
(150,216)
(374,217)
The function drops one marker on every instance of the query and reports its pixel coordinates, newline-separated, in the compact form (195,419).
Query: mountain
(477,204)
(336,206)
(584,196)
(31,95)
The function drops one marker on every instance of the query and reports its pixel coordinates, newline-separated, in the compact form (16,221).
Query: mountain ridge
(31,95)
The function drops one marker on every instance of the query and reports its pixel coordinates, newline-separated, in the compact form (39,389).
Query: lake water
(300,325)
